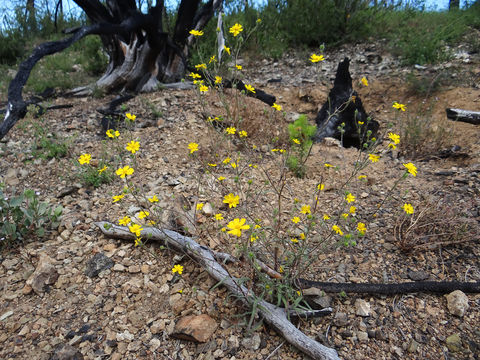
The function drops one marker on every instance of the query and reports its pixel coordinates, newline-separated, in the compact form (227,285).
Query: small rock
(323,301)
(362,307)
(109,247)
(6,315)
(454,343)
(97,264)
(340,319)
(118,267)
(134,269)
(9,264)
(331,142)
(154,344)
(413,347)
(157,326)
(195,328)
(66,352)
(44,275)
(252,343)
(418,275)
(11,177)
(457,303)
(362,335)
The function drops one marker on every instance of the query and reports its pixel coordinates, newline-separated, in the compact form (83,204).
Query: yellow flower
(345,215)
(305,209)
(326,217)
(231,200)
(234,165)
(177,269)
(239,67)
(138,241)
(124,221)
(133,146)
(361,122)
(394,137)
(196,32)
(218,217)
(259,21)
(294,240)
(143,214)
(350,198)
(212,165)
(200,206)
(218,79)
(373,158)
(227,160)
(277,107)
(408,208)
(117,198)
(295,219)
(212,59)
(236,29)
(230,131)
(392,146)
(296,141)
(195,75)
(192,147)
(314,58)
(136,229)
(253,238)
(362,177)
(364,81)
(250,88)
(102,169)
(412,169)
(221,178)
(200,66)
(302,236)
(398,106)
(227,50)
(131,117)
(203,88)
(243,133)
(352,210)
(153,199)
(236,226)
(337,230)
(361,228)
(327,165)
(112,134)
(85,159)
(320,187)
(126,170)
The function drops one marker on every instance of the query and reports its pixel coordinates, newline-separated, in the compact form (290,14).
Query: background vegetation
(415,35)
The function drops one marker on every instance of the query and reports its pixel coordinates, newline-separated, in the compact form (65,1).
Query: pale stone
(362,307)
(457,303)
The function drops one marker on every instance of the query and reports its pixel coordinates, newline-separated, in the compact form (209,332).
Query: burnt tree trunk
(142,54)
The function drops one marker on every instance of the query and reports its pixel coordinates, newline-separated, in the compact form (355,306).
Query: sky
(437,5)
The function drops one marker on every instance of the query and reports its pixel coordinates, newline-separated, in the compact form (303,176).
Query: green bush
(24,216)
(12,47)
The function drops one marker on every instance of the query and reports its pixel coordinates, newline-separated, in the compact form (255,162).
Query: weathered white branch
(273,315)
(471,117)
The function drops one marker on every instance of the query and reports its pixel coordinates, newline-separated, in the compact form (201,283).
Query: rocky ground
(55,303)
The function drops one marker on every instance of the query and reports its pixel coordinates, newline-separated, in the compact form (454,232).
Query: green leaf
(16,201)
(58,211)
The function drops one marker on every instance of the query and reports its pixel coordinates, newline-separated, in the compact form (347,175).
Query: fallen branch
(471,117)
(273,315)
(439,287)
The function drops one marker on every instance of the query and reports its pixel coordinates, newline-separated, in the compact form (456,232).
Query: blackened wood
(471,117)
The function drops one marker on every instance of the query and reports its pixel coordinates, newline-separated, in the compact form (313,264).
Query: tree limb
(273,315)
(441,287)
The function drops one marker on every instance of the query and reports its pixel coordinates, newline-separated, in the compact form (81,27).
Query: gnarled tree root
(273,315)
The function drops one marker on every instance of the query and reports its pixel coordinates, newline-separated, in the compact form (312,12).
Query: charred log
(438,287)
(471,117)
(344,106)
(258,94)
